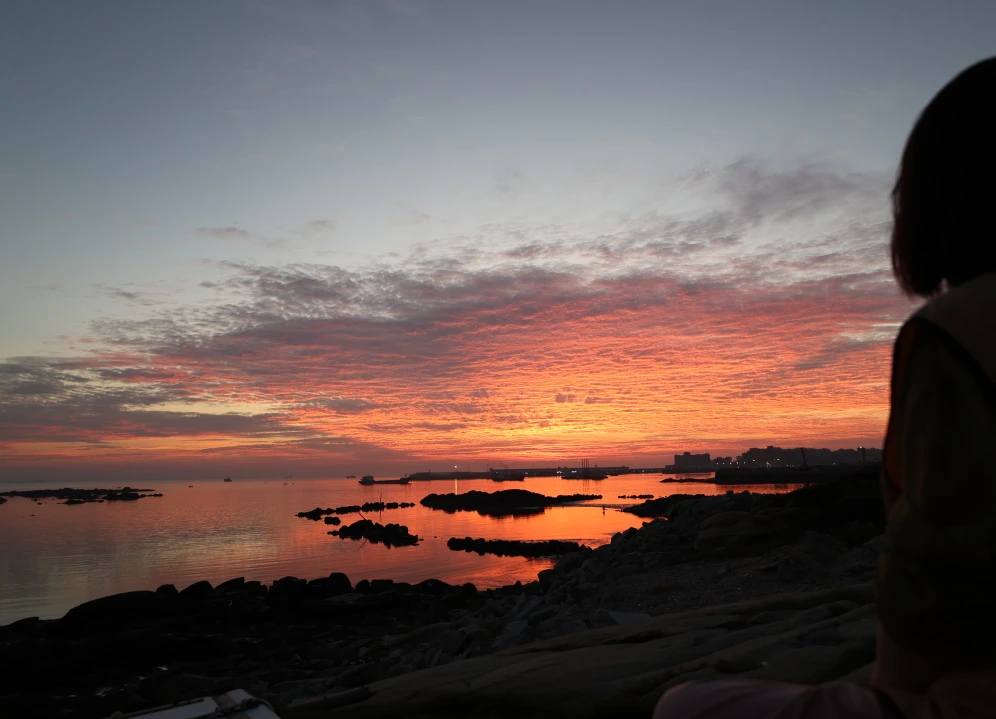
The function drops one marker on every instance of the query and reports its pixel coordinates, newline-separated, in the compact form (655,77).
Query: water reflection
(56,556)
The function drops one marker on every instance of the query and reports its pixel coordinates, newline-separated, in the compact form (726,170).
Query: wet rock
(339,583)
(115,606)
(232,584)
(168,590)
(659,507)
(570,562)
(198,590)
(334,521)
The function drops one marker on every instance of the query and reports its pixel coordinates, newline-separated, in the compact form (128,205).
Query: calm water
(53,556)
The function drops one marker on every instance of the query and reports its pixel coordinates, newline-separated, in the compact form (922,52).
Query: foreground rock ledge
(622,670)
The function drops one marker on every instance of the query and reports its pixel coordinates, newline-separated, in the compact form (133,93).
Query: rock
(542,615)
(514,548)
(571,626)
(339,583)
(381,585)
(570,562)
(198,590)
(236,583)
(316,513)
(391,535)
(477,633)
(811,616)
(359,675)
(508,502)
(335,521)
(770,617)
(167,589)
(451,642)
(623,618)
(511,634)
(288,588)
(658,507)
(115,607)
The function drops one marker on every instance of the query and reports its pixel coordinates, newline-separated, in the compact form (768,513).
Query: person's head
(944,200)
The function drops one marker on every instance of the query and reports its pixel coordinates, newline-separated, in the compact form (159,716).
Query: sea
(54,556)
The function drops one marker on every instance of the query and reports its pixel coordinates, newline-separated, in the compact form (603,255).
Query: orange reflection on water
(216,530)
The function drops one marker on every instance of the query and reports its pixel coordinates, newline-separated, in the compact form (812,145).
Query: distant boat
(368,479)
(228,479)
(350,476)
(288,477)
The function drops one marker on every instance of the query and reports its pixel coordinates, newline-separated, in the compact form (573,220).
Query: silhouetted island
(317,513)
(504,503)
(391,535)
(73,495)
(515,548)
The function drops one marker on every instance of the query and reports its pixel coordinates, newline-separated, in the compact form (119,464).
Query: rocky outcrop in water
(317,513)
(515,548)
(504,503)
(392,535)
(72,495)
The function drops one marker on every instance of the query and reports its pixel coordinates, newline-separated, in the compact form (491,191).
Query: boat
(228,479)
(368,479)
(287,477)
(350,476)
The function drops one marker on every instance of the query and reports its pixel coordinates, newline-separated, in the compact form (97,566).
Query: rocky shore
(772,586)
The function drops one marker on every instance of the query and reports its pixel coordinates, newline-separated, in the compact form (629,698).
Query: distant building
(692,460)
(806,456)
(723,461)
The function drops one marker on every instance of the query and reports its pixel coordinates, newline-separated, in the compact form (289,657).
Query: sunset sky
(256,238)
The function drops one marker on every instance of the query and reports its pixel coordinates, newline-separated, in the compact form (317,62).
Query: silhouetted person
(936,579)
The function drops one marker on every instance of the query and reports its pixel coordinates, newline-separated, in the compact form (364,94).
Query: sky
(252,238)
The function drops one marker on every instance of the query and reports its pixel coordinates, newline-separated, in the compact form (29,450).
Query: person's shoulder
(970,303)
(958,326)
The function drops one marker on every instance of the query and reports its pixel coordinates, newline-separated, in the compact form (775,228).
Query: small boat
(350,476)
(368,479)
(288,477)
(228,479)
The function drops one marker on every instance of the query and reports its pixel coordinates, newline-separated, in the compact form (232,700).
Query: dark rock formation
(508,502)
(393,535)
(317,513)
(659,507)
(514,548)
(72,495)
(137,650)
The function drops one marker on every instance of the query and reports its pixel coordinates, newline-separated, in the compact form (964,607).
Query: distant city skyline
(258,238)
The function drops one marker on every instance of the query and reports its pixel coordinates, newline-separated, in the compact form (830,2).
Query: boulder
(198,590)
(115,607)
(339,583)
(232,584)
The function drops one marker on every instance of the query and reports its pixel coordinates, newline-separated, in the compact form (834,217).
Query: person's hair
(944,199)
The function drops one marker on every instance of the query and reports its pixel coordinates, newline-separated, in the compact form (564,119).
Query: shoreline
(297,640)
